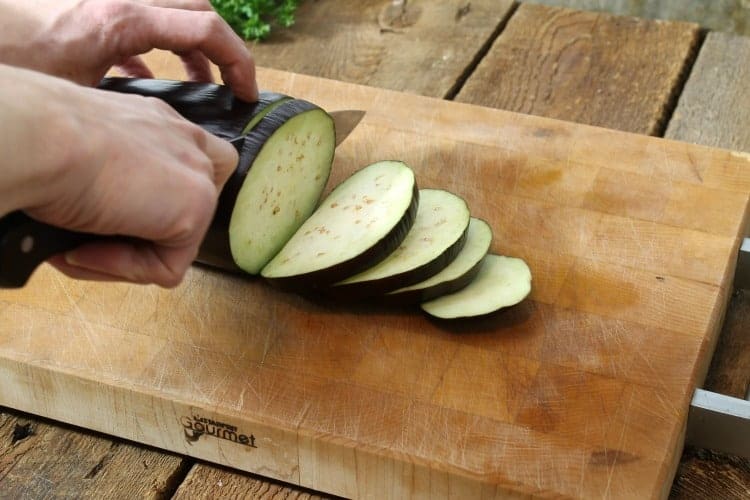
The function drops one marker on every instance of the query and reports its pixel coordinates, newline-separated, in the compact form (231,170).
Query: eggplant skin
(213,107)
(367,289)
(317,282)
(413,297)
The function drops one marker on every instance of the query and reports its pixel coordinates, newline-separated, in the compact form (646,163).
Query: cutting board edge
(459,479)
(81,393)
(19,379)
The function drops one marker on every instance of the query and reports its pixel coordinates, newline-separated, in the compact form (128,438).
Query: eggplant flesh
(437,236)
(360,223)
(501,282)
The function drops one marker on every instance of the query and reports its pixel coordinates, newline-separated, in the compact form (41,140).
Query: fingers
(224,158)
(197,66)
(180,4)
(80,273)
(140,263)
(135,67)
(186,31)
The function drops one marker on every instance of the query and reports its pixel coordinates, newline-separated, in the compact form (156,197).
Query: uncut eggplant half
(213,107)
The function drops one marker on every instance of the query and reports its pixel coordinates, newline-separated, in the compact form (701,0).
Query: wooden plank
(712,110)
(594,68)
(208,482)
(418,46)
(718,15)
(729,367)
(706,475)
(41,459)
(301,381)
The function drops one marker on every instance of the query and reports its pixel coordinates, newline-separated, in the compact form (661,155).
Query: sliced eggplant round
(437,236)
(359,224)
(211,106)
(501,282)
(284,166)
(457,275)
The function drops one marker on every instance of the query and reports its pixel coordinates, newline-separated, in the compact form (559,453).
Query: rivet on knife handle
(26,243)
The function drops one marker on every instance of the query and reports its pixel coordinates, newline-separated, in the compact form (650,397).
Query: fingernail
(71,258)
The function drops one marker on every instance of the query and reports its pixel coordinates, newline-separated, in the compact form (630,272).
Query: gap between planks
(674,97)
(481,53)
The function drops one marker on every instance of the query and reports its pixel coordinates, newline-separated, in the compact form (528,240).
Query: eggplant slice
(437,236)
(501,282)
(211,106)
(292,153)
(359,223)
(457,275)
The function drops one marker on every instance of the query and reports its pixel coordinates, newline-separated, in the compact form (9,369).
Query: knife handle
(26,243)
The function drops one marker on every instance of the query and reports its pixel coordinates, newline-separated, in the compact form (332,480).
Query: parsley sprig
(253,19)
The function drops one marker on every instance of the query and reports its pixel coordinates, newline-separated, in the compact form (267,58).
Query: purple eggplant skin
(318,282)
(213,107)
(215,250)
(414,297)
(376,288)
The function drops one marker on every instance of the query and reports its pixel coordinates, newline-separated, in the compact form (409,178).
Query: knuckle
(211,24)
(107,10)
(171,278)
(160,106)
(202,5)
(113,16)
(197,162)
(201,199)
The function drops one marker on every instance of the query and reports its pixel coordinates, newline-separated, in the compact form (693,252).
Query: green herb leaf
(254,19)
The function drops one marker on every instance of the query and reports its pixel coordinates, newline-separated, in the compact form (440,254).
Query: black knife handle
(26,243)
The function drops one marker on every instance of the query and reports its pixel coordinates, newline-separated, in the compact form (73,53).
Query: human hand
(81,40)
(110,164)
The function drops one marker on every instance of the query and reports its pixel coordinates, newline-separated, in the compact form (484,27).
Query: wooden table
(660,78)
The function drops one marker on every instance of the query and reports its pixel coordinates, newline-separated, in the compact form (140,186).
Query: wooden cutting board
(580,391)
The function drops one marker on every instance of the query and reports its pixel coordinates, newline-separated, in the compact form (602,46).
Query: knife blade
(25,243)
(344,121)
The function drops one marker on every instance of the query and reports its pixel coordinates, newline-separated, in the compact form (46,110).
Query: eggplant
(456,275)
(211,106)
(437,236)
(360,223)
(501,282)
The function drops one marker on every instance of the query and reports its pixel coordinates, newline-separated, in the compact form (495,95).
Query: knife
(26,243)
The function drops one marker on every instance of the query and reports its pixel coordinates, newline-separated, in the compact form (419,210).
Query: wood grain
(45,460)
(421,47)
(729,367)
(302,381)
(706,475)
(718,15)
(587,67)
(712,109)
(208,482)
